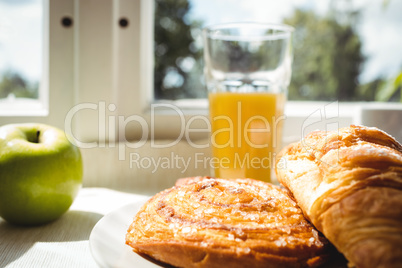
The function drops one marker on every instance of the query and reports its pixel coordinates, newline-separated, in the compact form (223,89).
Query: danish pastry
(210,222)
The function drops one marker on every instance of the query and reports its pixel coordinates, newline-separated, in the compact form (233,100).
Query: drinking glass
(247,68)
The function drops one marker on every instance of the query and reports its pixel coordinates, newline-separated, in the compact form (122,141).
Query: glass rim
(215,31)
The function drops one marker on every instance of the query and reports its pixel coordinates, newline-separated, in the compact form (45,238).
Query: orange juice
(246,133)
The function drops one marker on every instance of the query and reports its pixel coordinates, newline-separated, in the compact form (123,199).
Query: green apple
(40,173)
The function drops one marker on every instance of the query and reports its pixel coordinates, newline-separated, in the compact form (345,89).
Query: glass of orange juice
(247,68)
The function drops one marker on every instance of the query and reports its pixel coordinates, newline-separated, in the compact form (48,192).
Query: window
(21,57)
(95,66)
(98,69)
(345,50)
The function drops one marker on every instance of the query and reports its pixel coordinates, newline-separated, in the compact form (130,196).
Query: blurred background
(346,50)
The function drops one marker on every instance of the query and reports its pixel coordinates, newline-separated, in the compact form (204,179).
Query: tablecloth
(64,242)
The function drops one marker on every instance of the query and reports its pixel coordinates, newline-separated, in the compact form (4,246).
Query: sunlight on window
(20,49)
(346,50)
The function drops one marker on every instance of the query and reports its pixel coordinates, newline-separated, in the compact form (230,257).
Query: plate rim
(108,218)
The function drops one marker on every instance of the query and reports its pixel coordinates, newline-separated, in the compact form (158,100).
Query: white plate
(107,240)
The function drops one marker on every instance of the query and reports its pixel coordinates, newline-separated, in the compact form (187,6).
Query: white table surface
(64,242)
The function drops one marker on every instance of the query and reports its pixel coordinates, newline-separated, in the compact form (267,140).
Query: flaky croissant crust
(208,222)
(348,183)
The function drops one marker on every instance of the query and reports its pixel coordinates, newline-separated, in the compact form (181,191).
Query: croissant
(349,185)
(209,222)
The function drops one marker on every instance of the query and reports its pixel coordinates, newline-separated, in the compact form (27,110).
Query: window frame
(56,73)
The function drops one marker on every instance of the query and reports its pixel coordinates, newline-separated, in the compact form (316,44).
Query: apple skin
(40,173)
